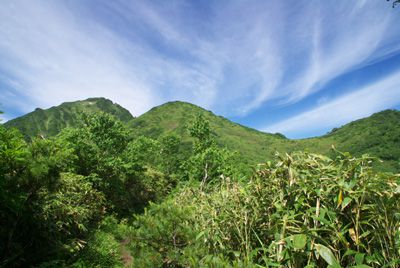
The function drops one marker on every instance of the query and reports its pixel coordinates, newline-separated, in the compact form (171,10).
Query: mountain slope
(377,135)
(50,121)
(175,117)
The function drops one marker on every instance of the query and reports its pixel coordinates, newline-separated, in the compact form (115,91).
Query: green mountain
(378,135)
(49,122)
(174,118)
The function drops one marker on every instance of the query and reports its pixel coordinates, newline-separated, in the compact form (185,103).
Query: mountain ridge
(49,122)
(377,134)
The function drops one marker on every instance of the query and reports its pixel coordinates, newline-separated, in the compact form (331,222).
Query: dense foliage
(301,210)
(99,196)
(55,191)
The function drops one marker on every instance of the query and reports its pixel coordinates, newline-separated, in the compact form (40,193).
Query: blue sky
(295,67)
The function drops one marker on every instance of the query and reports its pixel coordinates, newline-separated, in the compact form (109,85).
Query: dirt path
(126,256)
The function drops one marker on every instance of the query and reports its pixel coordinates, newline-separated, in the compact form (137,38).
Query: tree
(170,160)
(99,144)
(54,192)
(27,170)
(113,161)
(208,161)
(201,131)
(395,2)
(143,151)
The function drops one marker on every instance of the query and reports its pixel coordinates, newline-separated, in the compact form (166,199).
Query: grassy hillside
(175,117)
(50,121)
(378,135)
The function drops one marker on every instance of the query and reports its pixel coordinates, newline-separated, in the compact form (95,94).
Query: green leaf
(273,264)
(200,235)
(299,241)
(327,255)
(346,202)
(361,266)
(365,234)
(359,258)
(349,252)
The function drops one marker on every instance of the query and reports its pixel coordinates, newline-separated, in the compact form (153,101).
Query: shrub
(301,210)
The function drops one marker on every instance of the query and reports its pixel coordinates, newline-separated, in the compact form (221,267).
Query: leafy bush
(70,210)
(102,251)
(161,235)
(301,210)
(337,209)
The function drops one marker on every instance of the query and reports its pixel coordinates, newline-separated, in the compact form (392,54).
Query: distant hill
(377,135)
(49,122)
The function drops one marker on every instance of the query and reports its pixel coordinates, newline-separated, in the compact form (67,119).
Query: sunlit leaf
(299,241)
(340,197)
(346,202)
(327,255)
(353,235)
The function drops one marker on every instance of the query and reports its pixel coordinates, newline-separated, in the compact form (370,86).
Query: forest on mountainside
(100,195)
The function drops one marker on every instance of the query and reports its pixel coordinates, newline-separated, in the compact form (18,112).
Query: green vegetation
(377,135)
(174,118)
(55,191)
(177,187)
(300,210)
(51,121)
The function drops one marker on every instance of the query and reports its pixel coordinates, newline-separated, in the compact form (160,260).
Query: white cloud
(283,53)
(55,60)
(232,59)
(355,105)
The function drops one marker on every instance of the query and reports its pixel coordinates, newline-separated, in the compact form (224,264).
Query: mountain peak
(49,122)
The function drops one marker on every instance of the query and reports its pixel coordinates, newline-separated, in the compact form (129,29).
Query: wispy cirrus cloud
(345,43)
(234,58)
(52,60)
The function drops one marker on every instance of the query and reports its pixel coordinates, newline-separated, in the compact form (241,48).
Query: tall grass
(302,210)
